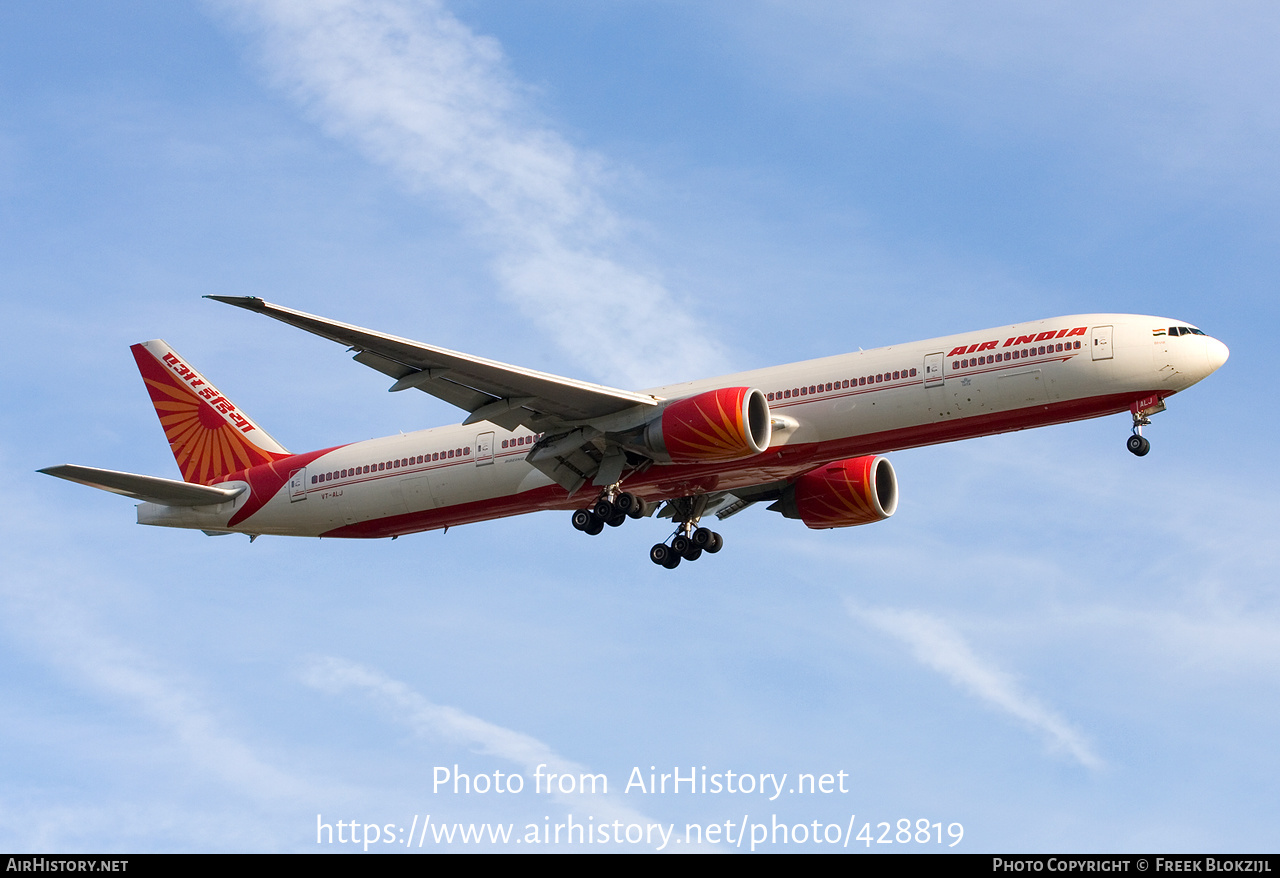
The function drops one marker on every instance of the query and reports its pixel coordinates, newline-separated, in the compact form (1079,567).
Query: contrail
(418,92)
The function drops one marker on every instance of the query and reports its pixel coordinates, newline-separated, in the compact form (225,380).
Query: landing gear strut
(1142,410)
(689,541)
(1137,443)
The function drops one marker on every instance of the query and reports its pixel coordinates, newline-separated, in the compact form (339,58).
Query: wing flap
(427,380)
(151,489)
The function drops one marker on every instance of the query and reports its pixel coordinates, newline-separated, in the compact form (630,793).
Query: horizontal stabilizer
(166,492)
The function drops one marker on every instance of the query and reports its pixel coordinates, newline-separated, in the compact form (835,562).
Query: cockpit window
(1184,330)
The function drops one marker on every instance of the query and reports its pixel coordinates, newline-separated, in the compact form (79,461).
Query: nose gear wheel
(1138,444)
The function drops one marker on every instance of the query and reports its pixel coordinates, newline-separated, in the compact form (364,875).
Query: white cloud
(940,647)
(420,93)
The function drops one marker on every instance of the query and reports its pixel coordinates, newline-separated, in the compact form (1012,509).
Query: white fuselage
(869,402)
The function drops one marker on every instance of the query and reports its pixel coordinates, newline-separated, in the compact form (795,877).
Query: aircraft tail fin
(210,437)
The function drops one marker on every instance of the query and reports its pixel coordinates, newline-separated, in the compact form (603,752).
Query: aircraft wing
(488,390)
(152,489)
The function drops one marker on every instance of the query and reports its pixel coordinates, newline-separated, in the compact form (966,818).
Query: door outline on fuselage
(933,369)
(484,449)
(1101,342)
(298,485)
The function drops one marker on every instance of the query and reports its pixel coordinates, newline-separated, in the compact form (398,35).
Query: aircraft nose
(1216,353)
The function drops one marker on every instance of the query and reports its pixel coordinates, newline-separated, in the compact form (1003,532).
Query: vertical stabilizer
(210,437)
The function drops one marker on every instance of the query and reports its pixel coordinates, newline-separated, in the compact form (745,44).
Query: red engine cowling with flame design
(845,493)
(726,424)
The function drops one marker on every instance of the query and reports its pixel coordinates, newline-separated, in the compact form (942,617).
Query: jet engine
(726,424)
(845,493)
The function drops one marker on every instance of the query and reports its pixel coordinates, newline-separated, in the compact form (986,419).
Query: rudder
(209,436)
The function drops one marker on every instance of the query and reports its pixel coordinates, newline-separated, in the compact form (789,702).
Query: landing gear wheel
(1138,445)
(681,545)
(672,562)
(702,537)
(638,507)
(659,554)
(604,509)
(693,554)
(716,544)
(582,519)
(617,520)
(624,503)
(594,527)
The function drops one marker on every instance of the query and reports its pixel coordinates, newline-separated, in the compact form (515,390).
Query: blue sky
(1053,643)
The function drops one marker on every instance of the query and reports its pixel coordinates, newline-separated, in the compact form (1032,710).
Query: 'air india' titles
(1015,340)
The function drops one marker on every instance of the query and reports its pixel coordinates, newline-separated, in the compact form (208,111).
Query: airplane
(808,438)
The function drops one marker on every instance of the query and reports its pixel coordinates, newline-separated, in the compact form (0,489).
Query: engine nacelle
(845,493)
(726,424)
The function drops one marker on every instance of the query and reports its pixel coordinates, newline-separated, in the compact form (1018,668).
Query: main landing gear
(612,511)
(687,543)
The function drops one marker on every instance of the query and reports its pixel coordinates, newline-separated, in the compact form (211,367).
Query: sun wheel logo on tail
(209,436)
(845,493)
(726,424)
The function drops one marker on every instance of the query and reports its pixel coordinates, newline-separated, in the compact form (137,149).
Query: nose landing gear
(1138,444)
(1142,409)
